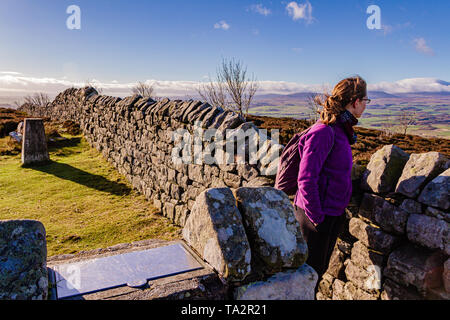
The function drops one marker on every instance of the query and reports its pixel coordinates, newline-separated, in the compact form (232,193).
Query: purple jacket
(324,179)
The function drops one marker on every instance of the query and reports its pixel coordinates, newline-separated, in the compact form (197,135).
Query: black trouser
(321,239)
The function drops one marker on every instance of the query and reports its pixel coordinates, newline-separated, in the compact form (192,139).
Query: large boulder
(394,291)
(290,285)
(389,217)
(214,229)
(415,266)
(23,260)
(437,192)
(371,236)
(272,229)
(384,169)
(368,279)
(420,169)
(428,231)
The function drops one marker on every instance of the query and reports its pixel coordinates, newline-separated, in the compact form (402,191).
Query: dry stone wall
(396,242)
(139,137)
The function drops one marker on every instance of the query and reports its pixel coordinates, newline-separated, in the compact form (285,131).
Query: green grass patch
(83,202)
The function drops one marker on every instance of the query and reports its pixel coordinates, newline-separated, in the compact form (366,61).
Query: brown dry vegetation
(369,140)
(9,119)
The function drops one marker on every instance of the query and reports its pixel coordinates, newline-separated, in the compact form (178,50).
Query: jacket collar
(348,121)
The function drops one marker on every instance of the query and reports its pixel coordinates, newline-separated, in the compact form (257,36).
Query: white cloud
(259,8)
(13,73)
(20,85)
(299,11)
(222,25)
(388,29)
(412,85)
(422,47)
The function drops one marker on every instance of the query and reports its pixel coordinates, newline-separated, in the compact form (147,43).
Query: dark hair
(345,92)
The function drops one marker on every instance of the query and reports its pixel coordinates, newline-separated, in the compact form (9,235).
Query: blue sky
(136,40)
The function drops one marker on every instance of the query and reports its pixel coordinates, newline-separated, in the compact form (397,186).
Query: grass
(83,202)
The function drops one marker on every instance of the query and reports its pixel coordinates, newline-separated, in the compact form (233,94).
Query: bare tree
(387,125)
(214,92)
(17,104)
(233,89)
(37,99)
(143,89)
(314,108)
(406,119)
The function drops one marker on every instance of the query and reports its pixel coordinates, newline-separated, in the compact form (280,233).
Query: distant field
(431,120)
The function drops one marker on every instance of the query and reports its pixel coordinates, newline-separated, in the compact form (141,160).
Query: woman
(324,179)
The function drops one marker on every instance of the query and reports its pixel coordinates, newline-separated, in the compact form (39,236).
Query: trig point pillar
(34,143)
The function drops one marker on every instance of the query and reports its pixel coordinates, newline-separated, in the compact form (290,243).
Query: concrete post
(34,143)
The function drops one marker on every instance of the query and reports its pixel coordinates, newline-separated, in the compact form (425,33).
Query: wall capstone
(23,257)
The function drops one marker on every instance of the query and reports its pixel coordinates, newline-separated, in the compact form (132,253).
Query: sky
(290,46)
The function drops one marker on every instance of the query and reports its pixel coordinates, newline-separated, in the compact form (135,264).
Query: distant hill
(380,94)
(379,97)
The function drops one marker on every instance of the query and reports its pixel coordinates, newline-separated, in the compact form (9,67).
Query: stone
(419,170)
(391,219)
(272,229)
(437,192)
(338,290)
(394,291)
(365,257)
(369,279)
(415,266)
(259,182)
(384,169)
(371,236)
(289,285)
(441,215)
(247,172)
(232,180)
(34,143)
(446,275)
(23,260)
(369,204)
(428,231)
(325,286)
(321,296)
(438,294)
(357,172)
(336,266)
(195,173)
(218,183)
(268,163)
(231,121)
(210,116)
(411,206)
(215,231)
(352,292)
(344,246)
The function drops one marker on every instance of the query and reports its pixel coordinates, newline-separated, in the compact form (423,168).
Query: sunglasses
(367,100)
